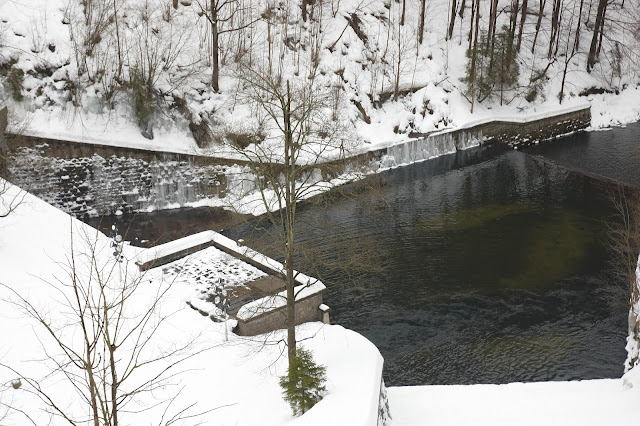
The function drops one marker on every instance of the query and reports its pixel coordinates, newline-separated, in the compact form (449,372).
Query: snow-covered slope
(237,380)
(74,88)
(580,403)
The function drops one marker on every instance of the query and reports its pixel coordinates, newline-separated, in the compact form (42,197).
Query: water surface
(485,266)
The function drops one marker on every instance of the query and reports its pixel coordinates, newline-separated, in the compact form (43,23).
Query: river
(485,266)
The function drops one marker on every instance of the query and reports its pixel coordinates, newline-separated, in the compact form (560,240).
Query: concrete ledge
(268,318)
(258,316)
(173,250)
(497,129)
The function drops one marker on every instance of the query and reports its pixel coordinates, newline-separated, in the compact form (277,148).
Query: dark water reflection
(483,267)
(613,153)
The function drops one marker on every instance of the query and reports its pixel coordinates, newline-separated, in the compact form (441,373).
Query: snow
(584,403)
(633,340)
(109,129)
(360,70)
(242,380)
(615,110)
(175,246)
(237,379)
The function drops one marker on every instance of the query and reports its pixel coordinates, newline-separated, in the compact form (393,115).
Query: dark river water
(485,266)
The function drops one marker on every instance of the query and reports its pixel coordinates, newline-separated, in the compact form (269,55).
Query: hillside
(141,72)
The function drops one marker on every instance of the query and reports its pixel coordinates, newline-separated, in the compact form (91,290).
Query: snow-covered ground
(612,402)
(237,379)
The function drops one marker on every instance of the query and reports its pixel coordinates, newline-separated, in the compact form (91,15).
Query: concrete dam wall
(94,180)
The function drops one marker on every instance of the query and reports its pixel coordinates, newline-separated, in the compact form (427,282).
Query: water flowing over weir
(493,261)
(96,185)
(430,147)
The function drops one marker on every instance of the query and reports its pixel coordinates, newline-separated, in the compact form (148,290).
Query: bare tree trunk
(290,207)
(604,18)
(89,344)
(523,18)
(175,4)
(115,18)
(270,42)
(215,65)
(513,19)
(538,23)
(423,7)
(491,39)
(461,13)
(396,90)
(577,41)
(474,55)
(564,75)
(471,21)
(404,8)
(597,31)
(305,3)
(555,23)
(452,20)
(493,15)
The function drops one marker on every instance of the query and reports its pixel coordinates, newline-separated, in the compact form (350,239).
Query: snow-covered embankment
(237,380)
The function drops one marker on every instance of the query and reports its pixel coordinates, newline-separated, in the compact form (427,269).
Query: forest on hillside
(409,65)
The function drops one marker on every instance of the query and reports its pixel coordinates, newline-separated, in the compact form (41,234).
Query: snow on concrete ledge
(160,254)
(354,373)
(577,403)
(306,286)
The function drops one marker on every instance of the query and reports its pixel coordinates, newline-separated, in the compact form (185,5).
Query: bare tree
(556,21)
(153,51)
(624,241)
(105,341)
(10,198)
(474,52)
(285,166)
(570,50)
(538,24)
(452,19)
(423,10)
(220,13)
(598,32)
(523,18)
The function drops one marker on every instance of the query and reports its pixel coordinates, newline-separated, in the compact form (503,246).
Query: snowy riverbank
(612,402)
(237,379)
(607,110)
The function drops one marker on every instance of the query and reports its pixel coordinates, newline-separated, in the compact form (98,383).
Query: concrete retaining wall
(535,129)
(306,311)
(93,184)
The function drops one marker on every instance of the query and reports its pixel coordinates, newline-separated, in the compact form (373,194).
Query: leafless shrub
(104,342)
